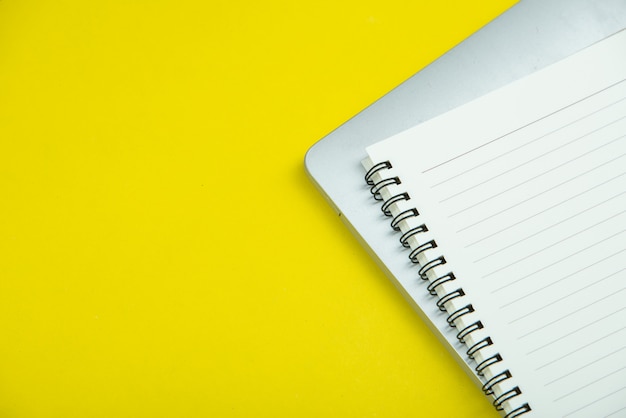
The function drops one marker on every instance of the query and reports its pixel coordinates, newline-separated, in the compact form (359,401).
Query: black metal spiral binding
(403,216)
(468,330)
(509,394)
(385,206)
(375,169)
(499,378)
(488,362)
(377,187)
(422,248)
(432,287)
(477,346)
(518,411)
(377,182)
(423,271)
(441,303)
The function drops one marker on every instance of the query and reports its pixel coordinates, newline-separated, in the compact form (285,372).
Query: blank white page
(524,191)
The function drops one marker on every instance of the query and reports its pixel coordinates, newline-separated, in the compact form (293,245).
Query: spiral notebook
(513,208)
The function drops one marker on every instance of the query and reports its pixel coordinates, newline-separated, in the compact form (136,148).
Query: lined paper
(525,192)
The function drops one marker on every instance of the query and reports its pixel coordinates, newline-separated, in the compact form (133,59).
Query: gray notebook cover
(529,36)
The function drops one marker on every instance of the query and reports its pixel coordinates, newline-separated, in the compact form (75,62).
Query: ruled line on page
(563,297)
(525,126)
(570,313)
(543,230)
(575,331)
(544,211)
(585,365)
(530,198)
(595,401)
(588,384)
(549,246)
(580,348)
(525,144)
(577,233)
(615,412)
(534,178)
(560,260)
(540,156)
(550,265)
(567,276)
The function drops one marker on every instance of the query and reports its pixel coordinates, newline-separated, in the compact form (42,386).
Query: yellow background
(162,252)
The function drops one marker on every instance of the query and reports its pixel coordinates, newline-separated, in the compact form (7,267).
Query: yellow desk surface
(162,252)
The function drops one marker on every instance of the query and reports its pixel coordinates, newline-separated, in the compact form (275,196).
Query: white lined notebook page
(524,191)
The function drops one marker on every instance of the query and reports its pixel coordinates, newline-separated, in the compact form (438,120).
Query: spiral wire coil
(377,182)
